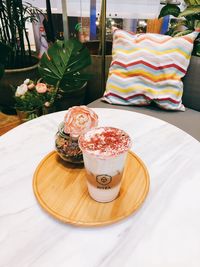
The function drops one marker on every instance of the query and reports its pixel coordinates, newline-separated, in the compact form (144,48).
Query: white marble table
(165,231)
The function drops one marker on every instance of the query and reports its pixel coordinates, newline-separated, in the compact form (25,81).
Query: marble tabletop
(165,231)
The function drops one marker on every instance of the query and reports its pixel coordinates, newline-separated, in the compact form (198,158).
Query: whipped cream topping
(105,142)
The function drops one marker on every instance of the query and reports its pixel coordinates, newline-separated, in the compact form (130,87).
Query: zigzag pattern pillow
(148,68)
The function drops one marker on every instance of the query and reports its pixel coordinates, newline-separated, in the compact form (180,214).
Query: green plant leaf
(183,33)
(197,24)
(13,16)
(192,2)
(169,9)
(64,61)
(191,10)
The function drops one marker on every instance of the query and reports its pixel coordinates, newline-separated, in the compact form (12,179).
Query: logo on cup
(103,179)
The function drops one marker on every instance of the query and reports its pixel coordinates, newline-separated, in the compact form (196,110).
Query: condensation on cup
(104,154)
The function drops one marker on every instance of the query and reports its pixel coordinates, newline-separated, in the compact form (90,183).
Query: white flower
(47,104)
(21,90)
(27,81)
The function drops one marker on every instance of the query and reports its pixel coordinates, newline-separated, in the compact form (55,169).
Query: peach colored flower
(41,88)
(31,86)
(79,119)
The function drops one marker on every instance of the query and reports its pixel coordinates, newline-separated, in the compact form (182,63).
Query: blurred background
(83,17)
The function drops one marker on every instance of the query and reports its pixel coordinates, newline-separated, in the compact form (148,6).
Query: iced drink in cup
(104,154)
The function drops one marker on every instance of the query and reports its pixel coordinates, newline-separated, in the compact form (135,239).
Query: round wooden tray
(61,190)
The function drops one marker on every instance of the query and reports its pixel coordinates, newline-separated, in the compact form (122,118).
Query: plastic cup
(104,154)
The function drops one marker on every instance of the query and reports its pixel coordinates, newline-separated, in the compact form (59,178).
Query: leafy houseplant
(62,67)
(13,17)
(20,62)
(187,21)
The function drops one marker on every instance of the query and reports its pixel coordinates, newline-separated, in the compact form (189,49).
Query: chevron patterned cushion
(148,68)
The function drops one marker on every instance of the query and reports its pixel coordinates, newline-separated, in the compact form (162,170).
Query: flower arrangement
(31,96)
(78,120)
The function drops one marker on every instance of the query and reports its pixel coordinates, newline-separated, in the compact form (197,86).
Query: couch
(189,120)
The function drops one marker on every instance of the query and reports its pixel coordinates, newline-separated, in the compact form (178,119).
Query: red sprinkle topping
(105,141)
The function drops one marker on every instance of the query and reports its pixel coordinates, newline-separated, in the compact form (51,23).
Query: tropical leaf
(63,62)
(197,24)
(187,22)
(183,33)
(192,2)
(169,9)
(191,10)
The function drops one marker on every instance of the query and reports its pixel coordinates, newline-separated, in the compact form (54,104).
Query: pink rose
(41,88)
(79,119)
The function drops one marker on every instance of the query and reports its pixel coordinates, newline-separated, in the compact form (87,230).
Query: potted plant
(20,63)
(187,21)
(62,66)
(33,99)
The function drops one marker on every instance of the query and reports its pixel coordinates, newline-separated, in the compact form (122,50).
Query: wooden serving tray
(61,190)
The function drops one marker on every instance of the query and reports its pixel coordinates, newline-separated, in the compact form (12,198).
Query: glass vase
(67,146)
